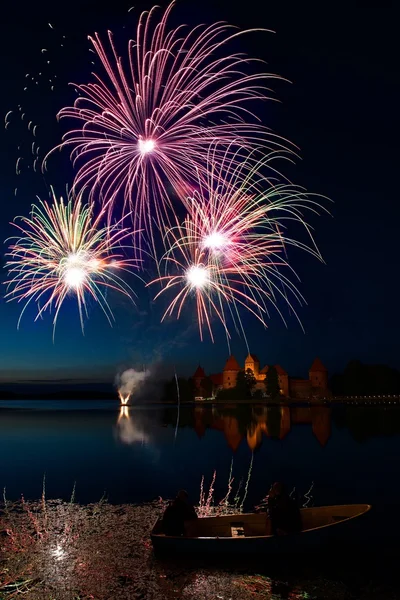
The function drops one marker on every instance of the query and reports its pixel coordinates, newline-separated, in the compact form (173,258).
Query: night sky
(341,109)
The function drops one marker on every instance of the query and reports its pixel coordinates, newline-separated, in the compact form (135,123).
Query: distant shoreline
(102,397)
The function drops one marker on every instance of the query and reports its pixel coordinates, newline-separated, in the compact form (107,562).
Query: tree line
(360,379)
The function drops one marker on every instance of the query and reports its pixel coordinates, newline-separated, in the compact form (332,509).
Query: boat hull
(325,536)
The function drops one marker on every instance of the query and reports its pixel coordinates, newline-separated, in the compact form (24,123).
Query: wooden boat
(251,533)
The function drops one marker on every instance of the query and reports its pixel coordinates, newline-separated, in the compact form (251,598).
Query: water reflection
(364,423)
(128,430)
(132,453)
(255,422)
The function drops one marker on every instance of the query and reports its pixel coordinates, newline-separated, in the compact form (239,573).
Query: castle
(315,386)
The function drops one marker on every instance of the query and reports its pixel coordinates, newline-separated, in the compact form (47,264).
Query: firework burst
(148,126)
(238,214)
(218,287)
(230,252)
(63,250)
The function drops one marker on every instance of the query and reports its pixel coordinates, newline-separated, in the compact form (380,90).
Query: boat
(251,532)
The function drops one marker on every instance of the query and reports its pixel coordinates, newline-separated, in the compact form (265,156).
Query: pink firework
(147,127)
(190,274)
(230,253)
(218,287)
(238,214)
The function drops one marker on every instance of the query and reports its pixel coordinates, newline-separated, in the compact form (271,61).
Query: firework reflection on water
(128,431)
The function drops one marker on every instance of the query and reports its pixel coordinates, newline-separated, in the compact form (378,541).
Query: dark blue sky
(341,110)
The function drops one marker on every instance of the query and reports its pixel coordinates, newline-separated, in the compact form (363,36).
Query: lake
(327,455)
(135,454)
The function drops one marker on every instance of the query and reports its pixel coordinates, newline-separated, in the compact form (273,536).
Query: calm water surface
(139,453)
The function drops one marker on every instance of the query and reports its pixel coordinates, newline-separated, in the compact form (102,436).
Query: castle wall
(284,384)
(319,379)
(197,382)
(299,388)
(229,379)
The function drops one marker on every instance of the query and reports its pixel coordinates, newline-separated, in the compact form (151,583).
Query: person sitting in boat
(177,512)
(282,510)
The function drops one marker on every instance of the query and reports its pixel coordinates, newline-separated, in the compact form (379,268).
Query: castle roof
(199,373)
(232,364)
(278,369)
(317,366)
(252,357)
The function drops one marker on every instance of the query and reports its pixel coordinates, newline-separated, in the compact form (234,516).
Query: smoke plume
(130,381)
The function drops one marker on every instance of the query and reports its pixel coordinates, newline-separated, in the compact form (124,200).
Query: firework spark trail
(205,505)
(237,496)
(179,406)
(217,287)
(224,503)
(192,274)
(210,495)
(63,249)
(239,209)
(230,252)
(37,86)
(246,488)
(149,124)
(202,495)
(308,496)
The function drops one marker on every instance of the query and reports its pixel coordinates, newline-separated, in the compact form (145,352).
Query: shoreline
(336,401)
(66,550)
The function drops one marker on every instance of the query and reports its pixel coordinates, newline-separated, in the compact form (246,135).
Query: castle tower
(318,375)
(198,377)
(252,363)
(230,372)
